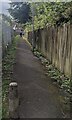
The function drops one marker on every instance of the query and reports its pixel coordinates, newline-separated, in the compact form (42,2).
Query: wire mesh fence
(0,67)
(7,33)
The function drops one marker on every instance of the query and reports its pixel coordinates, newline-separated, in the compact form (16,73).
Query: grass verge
(7,70)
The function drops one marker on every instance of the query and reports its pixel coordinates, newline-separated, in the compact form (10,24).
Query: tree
(53,13)
(20,11)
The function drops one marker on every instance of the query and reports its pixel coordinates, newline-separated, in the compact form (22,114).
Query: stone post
(13,100)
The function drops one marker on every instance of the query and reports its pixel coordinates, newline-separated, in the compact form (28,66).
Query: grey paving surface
(39,98)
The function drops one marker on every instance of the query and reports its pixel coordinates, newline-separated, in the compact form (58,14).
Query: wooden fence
(55,43)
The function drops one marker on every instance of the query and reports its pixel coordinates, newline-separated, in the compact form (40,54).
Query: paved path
(38,97)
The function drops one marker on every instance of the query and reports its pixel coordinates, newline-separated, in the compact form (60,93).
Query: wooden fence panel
(56,44)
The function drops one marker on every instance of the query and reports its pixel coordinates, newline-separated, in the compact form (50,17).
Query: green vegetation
(50,13)
(53,13)
(58,77)
(7,70)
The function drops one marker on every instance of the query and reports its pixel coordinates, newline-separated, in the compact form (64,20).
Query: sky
(4,6)
(4,0)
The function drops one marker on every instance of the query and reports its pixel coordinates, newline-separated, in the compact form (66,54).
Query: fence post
(13,100)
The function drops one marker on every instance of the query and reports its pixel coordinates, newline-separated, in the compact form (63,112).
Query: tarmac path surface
(39,98)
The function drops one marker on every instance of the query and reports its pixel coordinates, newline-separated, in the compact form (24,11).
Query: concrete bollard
(13,100)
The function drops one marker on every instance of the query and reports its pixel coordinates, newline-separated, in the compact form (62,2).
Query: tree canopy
(53,13)
(20,11)
(43,13)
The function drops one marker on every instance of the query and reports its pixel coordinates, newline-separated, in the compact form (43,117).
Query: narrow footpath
(39,98)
